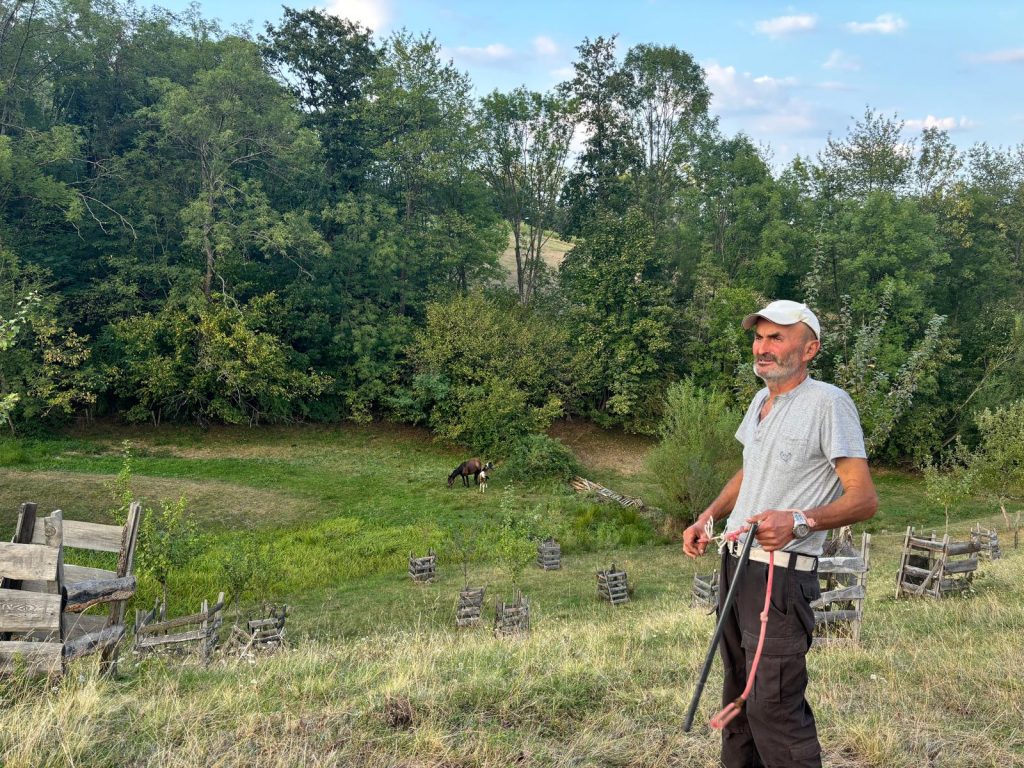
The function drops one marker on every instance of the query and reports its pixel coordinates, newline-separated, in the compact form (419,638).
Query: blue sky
(785,74)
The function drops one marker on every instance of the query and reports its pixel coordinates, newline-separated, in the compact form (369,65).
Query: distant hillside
(553,252)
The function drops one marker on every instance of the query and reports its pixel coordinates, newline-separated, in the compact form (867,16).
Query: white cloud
(840,60)
(1006,56)
(544,46)
(886,24)
(943,123)
(835,85)
(786,25)
(373,14)
(486,54)
(764,105)
(564,73)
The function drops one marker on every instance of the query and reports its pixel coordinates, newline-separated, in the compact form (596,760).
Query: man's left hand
(775,528)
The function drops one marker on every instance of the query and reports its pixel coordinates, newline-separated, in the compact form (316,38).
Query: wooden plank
(856,592)
(848,564)
(28,561)
(76,573)
(33,658)
(22,611)
(93,642)
(180,621)
(95,536)
(928,544)
(963,547)
(831,617)
(961,566)
(182,637)
(76,625)
(86,594)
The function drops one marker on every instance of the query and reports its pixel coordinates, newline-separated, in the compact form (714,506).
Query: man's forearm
(859,501)
(726,500)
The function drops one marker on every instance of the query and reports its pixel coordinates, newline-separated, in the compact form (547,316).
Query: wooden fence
(988,542)
(936,567)
(154,631)
(37,584)
(839,611)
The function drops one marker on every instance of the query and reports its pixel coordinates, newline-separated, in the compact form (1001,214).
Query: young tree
(698,452)
(525,138)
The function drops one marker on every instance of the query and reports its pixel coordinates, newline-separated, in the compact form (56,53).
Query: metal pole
(710,658)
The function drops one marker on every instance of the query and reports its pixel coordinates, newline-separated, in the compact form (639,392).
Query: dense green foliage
(698,452)
(307,223)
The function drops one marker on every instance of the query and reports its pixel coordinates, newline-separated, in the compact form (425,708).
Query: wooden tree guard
(153,630)
(470,607)
(266,629)
(936,568)
(988,542)
(549,555)
(839,611)
(512,618)
(423,569)
(78,588)
(613,586)
(705,590)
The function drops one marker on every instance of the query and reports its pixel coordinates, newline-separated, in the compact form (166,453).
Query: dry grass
(933,684)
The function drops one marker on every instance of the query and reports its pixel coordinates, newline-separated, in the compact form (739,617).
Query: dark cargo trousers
(776,727)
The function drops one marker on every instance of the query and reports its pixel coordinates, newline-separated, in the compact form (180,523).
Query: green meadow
(376,673)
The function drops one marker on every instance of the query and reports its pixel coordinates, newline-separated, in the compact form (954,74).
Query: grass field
(376,673)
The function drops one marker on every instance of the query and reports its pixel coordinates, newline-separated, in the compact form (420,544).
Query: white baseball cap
(785,312)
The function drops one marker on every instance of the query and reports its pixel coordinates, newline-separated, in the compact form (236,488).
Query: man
(804,471)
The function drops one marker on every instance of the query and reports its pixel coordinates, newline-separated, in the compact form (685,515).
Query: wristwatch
(800,526)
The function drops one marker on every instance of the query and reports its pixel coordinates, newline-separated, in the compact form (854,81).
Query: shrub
(698,452)
(539,457)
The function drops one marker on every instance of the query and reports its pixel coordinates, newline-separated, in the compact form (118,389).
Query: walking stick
(710,658)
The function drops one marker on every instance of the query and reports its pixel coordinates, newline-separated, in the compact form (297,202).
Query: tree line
(305,223)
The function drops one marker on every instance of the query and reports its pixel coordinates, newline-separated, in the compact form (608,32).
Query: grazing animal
(472,467)
(481,480)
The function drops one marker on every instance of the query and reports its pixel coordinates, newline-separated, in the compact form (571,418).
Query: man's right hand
(695,538)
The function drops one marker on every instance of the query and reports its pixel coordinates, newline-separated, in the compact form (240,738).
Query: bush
(698,452)
(539,457)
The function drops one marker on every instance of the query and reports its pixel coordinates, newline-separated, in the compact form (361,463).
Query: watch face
(800,530)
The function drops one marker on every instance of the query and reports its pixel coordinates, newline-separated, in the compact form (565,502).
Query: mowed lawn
(378,675)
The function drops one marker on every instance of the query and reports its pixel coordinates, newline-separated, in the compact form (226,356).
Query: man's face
(782,352)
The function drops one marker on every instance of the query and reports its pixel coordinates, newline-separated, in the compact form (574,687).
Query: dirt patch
(604,449)
(86,497)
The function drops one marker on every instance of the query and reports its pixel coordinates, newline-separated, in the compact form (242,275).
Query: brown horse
(472,467)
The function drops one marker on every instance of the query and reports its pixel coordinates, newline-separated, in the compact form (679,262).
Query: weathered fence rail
(153,631)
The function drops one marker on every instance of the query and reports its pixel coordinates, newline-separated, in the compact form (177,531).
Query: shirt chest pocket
(794,449)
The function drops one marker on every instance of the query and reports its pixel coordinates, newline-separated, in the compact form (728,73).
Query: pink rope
(733,708)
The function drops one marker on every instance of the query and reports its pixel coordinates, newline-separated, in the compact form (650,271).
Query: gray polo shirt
(789,457)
